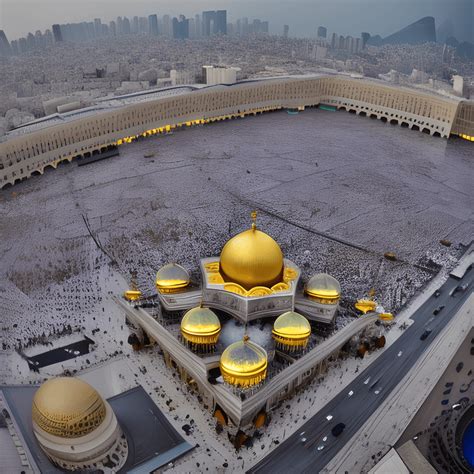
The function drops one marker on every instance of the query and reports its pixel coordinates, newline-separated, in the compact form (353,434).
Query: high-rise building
(167,26)
(97,27)
(126,26)
(322,32)
(48,38)
(57,33)
(245,26)
(143,25)
(119,26)
(5,48)
(357,45)
(153,25)
(365,37)
(180,27)
(197,23)
(212,75)
(112,28)
(286,30)
(208,20)
(220,24)
(15,47)
(31,41)
(134,26)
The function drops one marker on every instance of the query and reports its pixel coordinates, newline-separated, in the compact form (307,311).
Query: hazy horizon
(347,17)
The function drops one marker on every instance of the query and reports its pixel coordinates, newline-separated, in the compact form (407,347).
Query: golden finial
(246,337)
(254,219)
(372,293)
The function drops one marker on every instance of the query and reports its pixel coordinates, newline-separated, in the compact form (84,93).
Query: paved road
(369,390)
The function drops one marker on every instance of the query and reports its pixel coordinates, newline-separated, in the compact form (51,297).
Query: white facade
(220,75)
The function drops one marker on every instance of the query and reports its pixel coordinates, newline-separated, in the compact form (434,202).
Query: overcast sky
(18,17)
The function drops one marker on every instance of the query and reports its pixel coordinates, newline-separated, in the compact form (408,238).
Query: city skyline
(16,21)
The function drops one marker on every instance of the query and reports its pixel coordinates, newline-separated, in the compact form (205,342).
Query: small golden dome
(67,407)
(324,288)
(132,295)
(291,329)
(171,277)
(365,305)
(252,258)
(200,326)
(244,363)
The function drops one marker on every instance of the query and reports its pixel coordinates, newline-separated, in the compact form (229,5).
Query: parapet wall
(32,152)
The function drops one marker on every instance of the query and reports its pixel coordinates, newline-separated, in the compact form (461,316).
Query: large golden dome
(67,407)
(291,329)
(323,288)
(200,326)
(171,277)
(244,363)
(252,258)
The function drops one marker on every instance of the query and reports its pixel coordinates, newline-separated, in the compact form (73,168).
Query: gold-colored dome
(324,288)
(291,330)
(200,326)
(171,277)
(365,305)
(244,363)
(67,407)
(252,258)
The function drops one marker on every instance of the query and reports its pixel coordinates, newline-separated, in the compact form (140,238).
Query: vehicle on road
(458,289)
(303,440)
(437,293)
(438,309)
(425,334)
(320,447)
(338,429)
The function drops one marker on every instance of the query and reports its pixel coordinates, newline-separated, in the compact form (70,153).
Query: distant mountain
(422,31)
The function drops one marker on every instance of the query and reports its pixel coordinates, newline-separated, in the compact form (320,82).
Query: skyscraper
(180,27)
(197,22)
(134,26)
(112,28)
(365,37)
(97,27)
(57,33)
(167,26)
(322,32)
(5,48)
(220,24)
(208,20)
(126,26)
(286,30)
(153,25)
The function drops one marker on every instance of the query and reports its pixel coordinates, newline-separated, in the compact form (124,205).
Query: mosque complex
(253,295)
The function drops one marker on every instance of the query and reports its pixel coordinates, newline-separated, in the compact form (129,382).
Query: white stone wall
(34,151)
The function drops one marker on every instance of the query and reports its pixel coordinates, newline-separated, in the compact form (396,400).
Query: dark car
(437,293)
(338,429)
(438,310)
(459,288)
(425,334)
